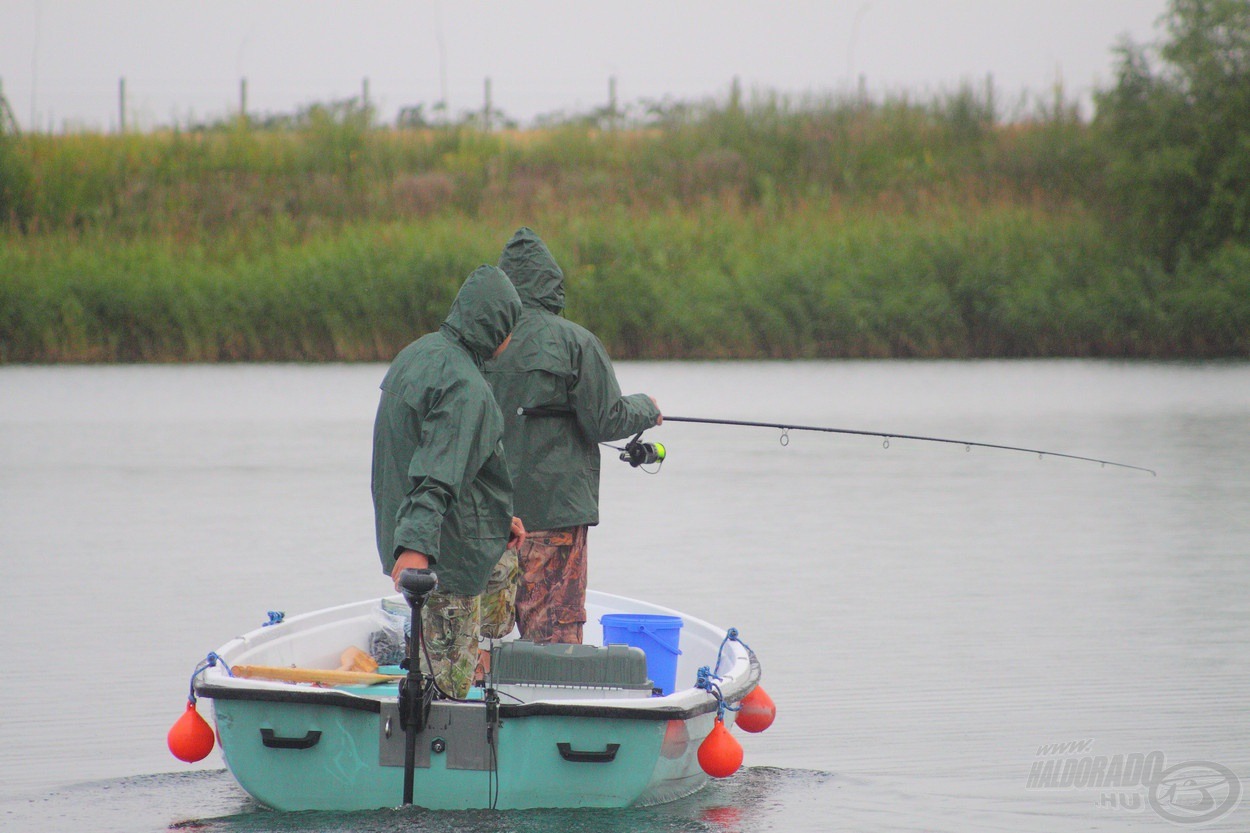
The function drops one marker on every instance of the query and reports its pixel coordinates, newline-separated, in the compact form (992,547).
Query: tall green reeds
(708,283)
(772,152)
(767,228)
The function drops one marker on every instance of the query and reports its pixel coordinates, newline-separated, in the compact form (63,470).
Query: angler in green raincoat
(561,366)
(442,495)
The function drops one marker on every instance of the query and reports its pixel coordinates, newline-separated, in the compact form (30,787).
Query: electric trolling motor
(416,691)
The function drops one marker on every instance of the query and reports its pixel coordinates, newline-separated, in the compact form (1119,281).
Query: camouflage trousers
(551,601)
(453,625)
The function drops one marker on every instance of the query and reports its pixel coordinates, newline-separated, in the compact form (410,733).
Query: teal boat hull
(341,769)
(302,747)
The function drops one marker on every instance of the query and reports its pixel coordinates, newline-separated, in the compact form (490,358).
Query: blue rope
(210,661)
(730,635)
(710,683)
(709,680)
(275,618)
(705,679)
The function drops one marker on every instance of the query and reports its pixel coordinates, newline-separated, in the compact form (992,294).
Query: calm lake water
(932,621)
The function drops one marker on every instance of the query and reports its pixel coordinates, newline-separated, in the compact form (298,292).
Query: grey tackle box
(526,671)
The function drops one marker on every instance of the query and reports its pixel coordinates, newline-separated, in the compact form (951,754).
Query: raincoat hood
(484,313)
(534,272)
(557,364)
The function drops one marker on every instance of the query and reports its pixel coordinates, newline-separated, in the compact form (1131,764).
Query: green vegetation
(771,227)
(993,281)
(1180,133)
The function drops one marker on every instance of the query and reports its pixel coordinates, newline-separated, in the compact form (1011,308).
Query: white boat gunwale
(683,704)
(641,711)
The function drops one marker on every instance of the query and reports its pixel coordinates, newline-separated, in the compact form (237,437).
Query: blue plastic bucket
(657,636)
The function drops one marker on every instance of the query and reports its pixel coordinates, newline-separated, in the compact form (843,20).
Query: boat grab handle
(272,741)
(578,756)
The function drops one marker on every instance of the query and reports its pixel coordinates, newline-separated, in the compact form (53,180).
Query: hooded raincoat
(440,481)
(556,364)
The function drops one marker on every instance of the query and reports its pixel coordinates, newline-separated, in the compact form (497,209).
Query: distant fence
(611,113)
(487,116)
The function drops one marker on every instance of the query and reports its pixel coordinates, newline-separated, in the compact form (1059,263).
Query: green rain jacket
(440,481)
(556,364)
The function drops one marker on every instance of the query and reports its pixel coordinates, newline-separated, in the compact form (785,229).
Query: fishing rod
(638,453)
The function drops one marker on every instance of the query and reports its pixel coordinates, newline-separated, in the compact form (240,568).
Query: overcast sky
(61,60)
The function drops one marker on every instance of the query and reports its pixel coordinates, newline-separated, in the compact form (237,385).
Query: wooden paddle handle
(325,676)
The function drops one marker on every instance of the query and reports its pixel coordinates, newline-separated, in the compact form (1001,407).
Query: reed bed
(774,229)
(713,283)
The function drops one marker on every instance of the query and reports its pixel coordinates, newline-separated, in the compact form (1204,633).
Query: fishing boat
(626,721)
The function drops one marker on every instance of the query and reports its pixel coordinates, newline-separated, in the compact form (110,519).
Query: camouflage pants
(551,601)
(453,625)
(499,598)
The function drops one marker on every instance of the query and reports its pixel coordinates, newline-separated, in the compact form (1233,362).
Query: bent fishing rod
(638,453)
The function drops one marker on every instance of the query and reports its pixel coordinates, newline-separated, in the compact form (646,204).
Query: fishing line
(886,436)
(635,450)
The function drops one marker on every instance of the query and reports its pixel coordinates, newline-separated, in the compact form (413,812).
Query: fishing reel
(637,453)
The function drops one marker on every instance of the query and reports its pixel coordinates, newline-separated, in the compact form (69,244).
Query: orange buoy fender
(190,738)
(720,754)
(756,712)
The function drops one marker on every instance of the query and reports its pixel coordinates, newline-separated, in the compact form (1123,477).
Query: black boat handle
(578,756)
(272,741)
